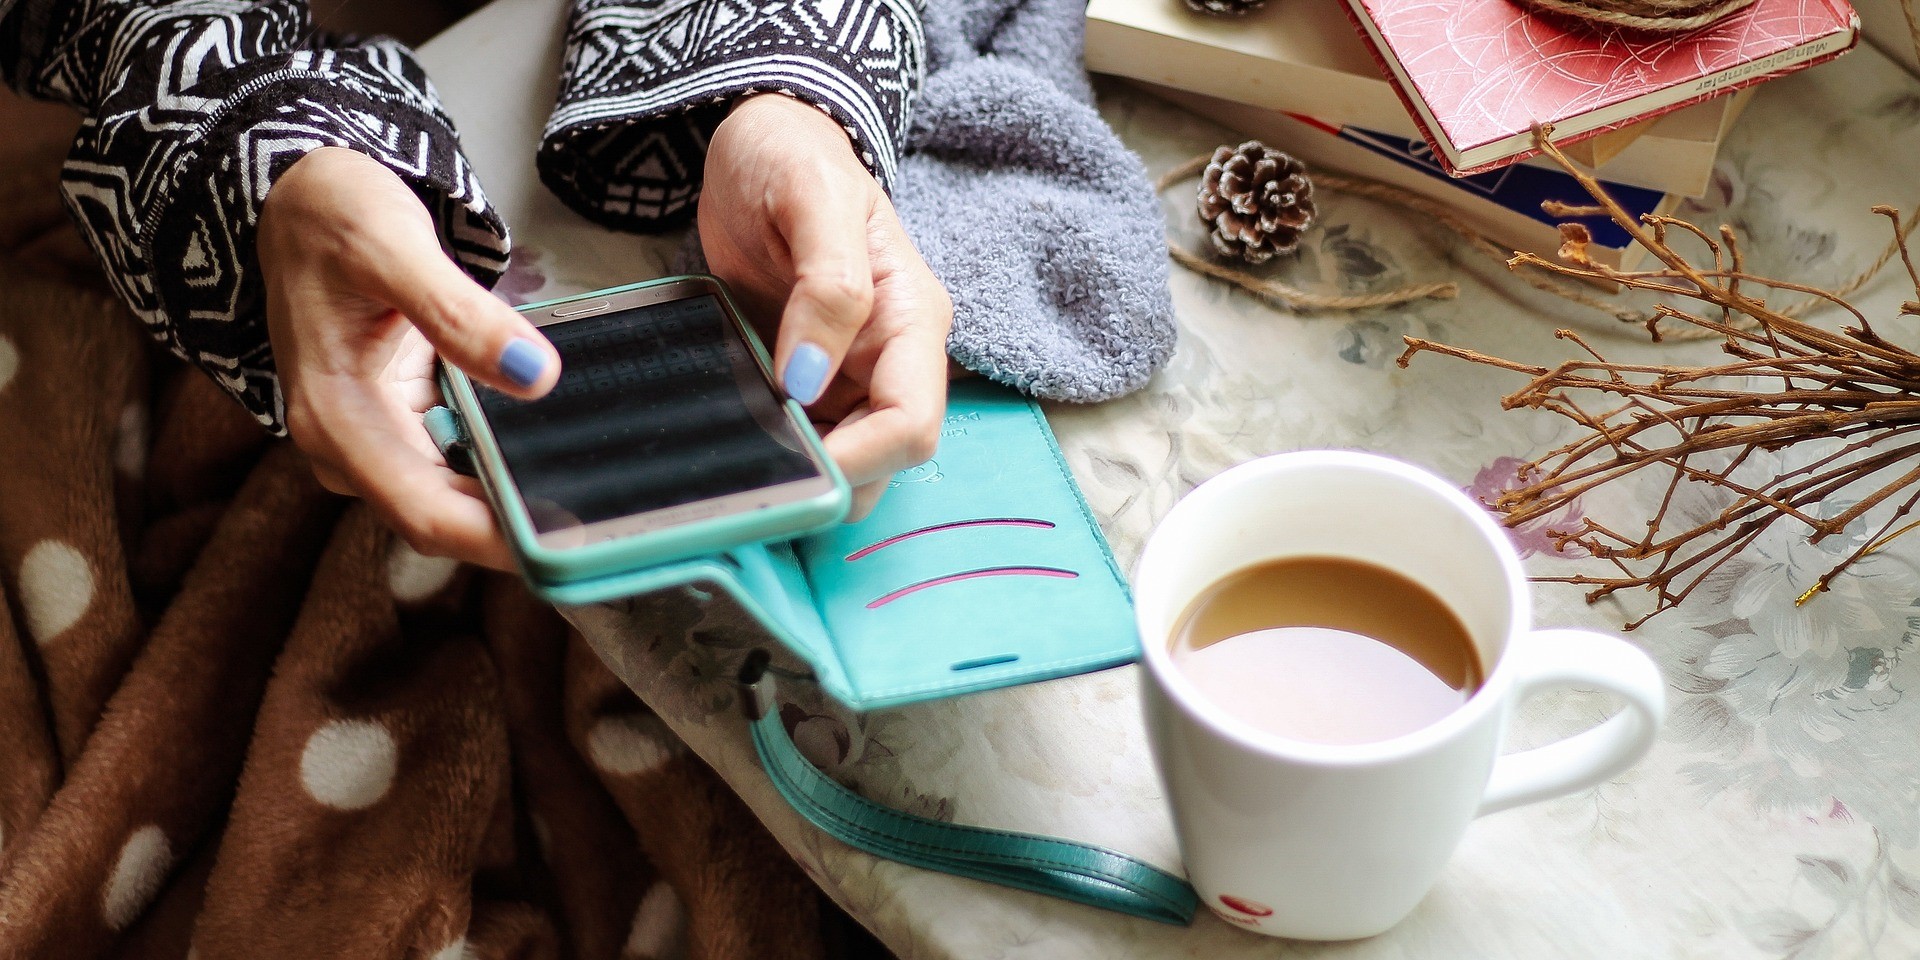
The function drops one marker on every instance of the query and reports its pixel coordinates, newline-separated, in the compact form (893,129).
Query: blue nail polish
(806,374)
(522,362)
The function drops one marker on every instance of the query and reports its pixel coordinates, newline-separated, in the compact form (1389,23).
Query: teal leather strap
(1084,873)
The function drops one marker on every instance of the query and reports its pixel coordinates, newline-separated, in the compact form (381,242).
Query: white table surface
(1779,815)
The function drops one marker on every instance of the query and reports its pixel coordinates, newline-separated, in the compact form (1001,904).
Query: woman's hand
(801,231)
(360,299)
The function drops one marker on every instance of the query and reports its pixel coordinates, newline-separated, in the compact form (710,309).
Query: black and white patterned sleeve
(647,81)
(192,109)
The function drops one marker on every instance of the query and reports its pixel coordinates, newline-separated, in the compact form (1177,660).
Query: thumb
(469,328)
(832,291)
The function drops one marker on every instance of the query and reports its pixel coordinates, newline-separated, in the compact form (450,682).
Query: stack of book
(1441,96)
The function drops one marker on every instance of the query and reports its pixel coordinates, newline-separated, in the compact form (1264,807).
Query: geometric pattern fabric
(645,84)
(192,108)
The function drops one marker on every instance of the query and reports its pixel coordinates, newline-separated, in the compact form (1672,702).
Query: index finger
(907,400)
(832,297)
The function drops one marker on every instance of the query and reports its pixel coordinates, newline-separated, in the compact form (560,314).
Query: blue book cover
(1516,187)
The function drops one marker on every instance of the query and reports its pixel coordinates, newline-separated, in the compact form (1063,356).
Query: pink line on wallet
(973,575)
(956,525)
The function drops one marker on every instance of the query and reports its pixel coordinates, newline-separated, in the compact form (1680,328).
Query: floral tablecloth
(1779,815)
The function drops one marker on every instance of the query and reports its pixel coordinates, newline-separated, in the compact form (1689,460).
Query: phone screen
(657,406)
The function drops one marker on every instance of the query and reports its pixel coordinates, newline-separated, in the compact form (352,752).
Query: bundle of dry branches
(1785,382)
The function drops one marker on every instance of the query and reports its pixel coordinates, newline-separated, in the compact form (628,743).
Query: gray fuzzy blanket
(1041,224)
(1043,227)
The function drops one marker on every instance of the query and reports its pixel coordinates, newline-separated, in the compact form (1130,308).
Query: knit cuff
(168,191)
(645,88)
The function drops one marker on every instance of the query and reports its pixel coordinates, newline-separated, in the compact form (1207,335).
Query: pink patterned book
(1478,74)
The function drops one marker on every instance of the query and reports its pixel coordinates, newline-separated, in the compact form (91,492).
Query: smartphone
(666,437)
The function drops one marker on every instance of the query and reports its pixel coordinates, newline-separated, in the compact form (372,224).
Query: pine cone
(1234,7)
(1258,200)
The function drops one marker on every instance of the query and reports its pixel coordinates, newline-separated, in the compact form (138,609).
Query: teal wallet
(981,568)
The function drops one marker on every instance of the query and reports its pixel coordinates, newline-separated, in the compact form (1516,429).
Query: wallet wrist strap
(1084,873)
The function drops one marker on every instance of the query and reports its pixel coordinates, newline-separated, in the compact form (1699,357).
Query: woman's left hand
(801,231)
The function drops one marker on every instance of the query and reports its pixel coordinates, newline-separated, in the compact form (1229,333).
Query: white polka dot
(130,444)
(349,764)
(658,924)
(9,362)
(413,576)
(457,950)
(56,585)
(632,743)
(143,866)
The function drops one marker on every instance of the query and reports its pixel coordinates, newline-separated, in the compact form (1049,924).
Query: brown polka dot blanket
(238,719)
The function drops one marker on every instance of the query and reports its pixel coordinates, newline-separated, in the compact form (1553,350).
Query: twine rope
(1657,16)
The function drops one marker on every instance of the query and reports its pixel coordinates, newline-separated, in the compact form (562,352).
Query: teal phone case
(980,568)
(549,570)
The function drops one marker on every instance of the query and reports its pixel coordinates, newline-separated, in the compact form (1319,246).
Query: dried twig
(1787,381)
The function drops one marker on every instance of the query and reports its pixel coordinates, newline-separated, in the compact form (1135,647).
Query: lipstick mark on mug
(1247,908)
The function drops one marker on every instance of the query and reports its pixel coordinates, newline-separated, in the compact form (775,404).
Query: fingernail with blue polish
(806,375)
(522,362)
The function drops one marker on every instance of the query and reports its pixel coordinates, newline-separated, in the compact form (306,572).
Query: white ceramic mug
(1328,842)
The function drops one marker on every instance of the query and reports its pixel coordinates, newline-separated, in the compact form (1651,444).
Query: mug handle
(1579,658)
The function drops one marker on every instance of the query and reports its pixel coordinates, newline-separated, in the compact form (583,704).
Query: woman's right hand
(360,301)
